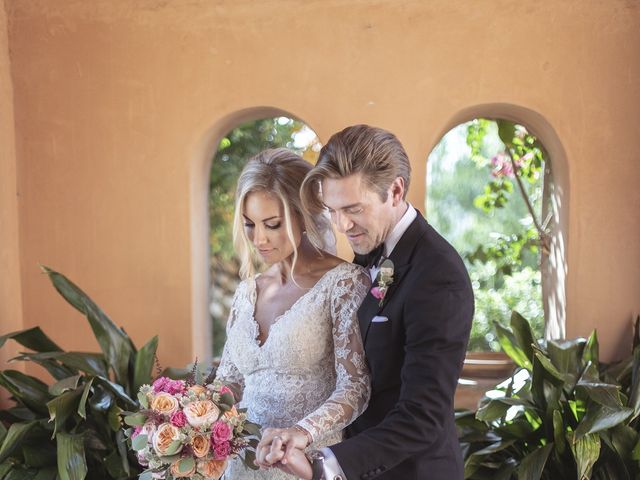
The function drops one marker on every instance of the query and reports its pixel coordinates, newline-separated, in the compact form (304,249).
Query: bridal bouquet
(189,430)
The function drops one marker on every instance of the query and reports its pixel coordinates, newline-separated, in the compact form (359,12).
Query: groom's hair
(374,152)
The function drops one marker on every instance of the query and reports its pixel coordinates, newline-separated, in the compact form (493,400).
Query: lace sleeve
(353,386)
(227,371)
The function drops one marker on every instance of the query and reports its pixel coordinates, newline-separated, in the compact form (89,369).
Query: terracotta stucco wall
(119,105)
(10,301)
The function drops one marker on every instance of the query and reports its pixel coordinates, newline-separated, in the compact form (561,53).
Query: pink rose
(221,450)
(226,389)
(377,293)
(221,432)
(166,385)
(178,419)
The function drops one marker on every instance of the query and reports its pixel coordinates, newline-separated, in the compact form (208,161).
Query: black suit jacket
(408,430)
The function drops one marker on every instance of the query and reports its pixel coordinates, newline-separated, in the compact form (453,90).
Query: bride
(293,346)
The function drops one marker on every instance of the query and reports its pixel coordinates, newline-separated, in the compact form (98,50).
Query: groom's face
(358,212)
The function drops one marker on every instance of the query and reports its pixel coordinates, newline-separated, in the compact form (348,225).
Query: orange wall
(10,301)
(119,106)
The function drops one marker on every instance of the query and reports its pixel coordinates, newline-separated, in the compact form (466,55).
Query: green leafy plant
(563,414)
(73,426)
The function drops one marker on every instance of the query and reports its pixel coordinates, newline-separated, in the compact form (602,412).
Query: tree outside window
(485,194)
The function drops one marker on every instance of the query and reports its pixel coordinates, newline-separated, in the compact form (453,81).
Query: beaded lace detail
(311,369)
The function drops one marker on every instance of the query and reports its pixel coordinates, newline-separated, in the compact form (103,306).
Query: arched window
(486,194)
(234,149)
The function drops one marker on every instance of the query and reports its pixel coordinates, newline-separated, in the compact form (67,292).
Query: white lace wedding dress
(311,369)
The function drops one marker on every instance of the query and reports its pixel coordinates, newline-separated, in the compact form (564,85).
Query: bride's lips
(266,252)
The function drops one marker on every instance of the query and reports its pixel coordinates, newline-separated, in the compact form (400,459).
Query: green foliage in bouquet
(562,414)
(73,426)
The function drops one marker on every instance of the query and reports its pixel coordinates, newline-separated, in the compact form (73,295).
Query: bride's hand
(290,438)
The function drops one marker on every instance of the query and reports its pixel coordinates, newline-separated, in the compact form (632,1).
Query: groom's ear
(397,191)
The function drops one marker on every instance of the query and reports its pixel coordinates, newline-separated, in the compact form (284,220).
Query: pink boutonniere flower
(384,280)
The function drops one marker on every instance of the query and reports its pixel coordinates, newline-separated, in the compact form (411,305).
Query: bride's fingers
(276,453)
(268,436)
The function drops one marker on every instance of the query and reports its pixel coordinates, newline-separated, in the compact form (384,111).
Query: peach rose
(231,413)
(165,404)
(175,469)
(197,389)
(163,439)
(212,468)
(200,445)
(201,412)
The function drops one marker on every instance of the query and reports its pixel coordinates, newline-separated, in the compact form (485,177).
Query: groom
(414,327)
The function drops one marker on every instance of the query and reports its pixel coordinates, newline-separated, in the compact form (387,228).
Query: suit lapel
(401,258)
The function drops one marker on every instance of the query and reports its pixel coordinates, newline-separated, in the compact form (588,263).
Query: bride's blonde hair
(279,172)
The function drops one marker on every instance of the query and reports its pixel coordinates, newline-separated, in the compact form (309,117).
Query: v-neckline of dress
(276,321)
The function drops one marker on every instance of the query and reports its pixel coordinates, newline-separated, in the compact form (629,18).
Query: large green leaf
(532,465)
(39,454)
(559,431)
(599,417)
(566,355)
(602,393)
(46,474)
(497,408)
(586,450)
(72,464)
(118,391)
(32,338)
(48,362)
(28,390)
(121,443)
(69,383)
(91,363)
(510,346)
(62,407)
(634,398)
(523,334)
(114,343)
(82,405)
(14,438)
(144,363)
(591,348)
(555,376)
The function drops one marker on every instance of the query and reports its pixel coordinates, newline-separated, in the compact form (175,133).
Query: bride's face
(265,227)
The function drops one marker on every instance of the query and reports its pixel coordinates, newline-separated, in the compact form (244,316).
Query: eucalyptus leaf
(186,465)
(140,442)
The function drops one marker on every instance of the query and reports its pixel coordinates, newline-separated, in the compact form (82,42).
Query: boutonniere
(384,280)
